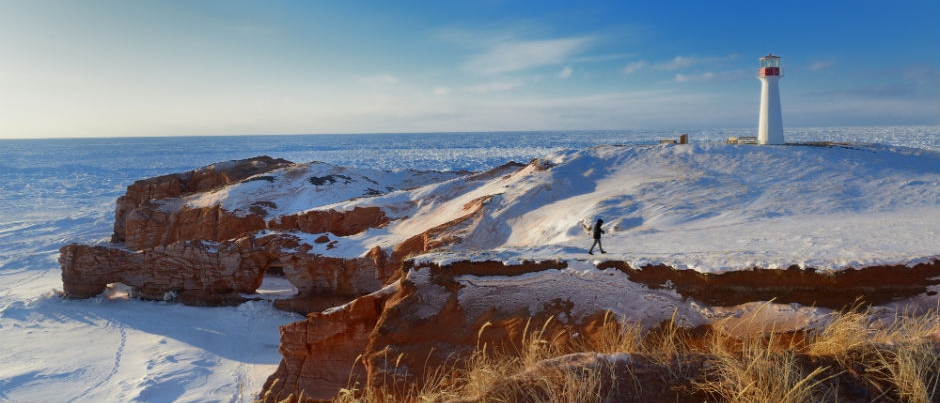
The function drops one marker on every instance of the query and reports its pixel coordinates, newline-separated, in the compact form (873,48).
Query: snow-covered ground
(710,207)
(114,348)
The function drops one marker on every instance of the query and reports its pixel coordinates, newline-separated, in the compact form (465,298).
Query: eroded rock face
(149,226)
(209,255)
(165,272)
(143,193)
(322,354)
(214,273)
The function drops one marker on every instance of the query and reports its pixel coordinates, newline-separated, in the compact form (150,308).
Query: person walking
(597,237)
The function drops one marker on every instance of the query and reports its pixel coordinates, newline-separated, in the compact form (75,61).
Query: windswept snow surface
(296,189)
(114,348)
(709,207)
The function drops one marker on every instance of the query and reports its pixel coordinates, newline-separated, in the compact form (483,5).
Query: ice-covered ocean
(58,191)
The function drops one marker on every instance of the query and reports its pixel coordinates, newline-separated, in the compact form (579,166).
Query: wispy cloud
(822,65)
(919,73)
(600,58)
(711,76)
(678,63)
(634,67)
(566,72)
(494,87)
(515,55)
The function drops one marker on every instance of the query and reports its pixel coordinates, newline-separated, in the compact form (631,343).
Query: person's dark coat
(597,229)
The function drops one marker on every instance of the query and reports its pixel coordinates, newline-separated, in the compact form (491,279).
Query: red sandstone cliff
(174,236)
(143,193)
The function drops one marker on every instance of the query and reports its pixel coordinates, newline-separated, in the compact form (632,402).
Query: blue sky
(163,68)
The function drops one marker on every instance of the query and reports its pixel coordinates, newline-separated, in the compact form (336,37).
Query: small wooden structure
(683,139)
(741,140)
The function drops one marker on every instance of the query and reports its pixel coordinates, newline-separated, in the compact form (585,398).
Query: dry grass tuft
(760,373)
(844,332)
(613,337)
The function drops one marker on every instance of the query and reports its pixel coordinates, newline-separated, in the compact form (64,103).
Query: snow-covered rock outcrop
(210,235)
(414,264)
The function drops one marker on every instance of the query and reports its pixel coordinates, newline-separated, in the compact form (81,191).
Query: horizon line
(446,132)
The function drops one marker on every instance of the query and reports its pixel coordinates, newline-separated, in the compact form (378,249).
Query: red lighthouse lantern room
(769,66)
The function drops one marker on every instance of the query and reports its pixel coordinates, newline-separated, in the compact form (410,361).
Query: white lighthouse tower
(770,125)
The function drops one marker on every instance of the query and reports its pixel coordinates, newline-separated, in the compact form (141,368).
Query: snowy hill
(708,207)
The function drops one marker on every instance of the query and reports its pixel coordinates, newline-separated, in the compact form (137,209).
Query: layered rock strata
(137,213)
(166,246)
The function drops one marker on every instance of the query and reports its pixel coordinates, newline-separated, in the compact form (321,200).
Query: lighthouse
(770,124)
